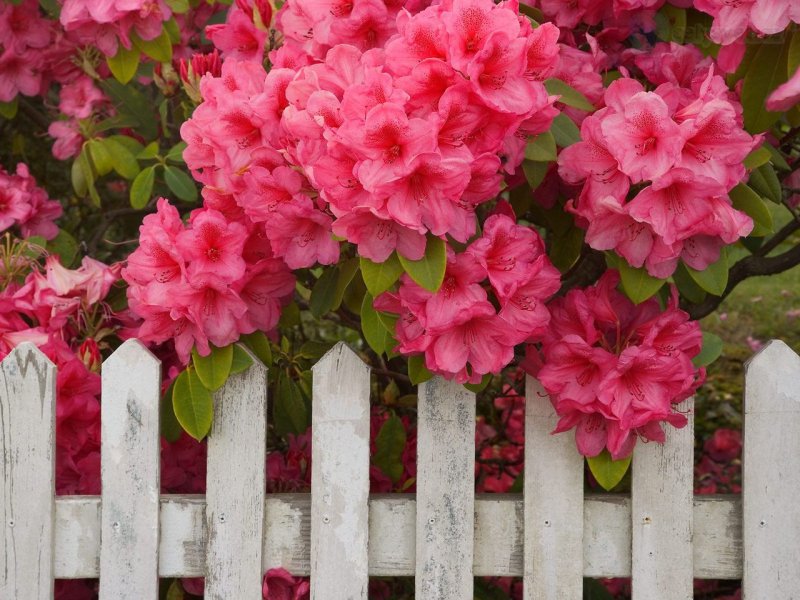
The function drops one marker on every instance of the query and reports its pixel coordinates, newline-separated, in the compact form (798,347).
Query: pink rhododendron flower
(785,96)
(25,205)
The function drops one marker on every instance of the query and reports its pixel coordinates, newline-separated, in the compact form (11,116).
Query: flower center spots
(213,254)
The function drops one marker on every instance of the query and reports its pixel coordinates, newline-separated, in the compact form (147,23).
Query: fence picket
(236,487)
(445,491)
(771,477)
(662,514)
(553,504)
(130,474)
(27,474)
(340,476)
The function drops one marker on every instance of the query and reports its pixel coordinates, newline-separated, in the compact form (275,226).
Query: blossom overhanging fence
(552,535)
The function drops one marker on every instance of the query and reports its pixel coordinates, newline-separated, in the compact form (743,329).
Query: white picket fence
(553,536)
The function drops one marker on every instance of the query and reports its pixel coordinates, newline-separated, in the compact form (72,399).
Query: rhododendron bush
(463,188)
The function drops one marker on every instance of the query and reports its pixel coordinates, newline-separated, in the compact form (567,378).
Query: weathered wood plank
(340,476)
(498,535)
(27,474)
(661,513)
(236,487)
(553,504)
(771,476)
(445,491)
(130,474)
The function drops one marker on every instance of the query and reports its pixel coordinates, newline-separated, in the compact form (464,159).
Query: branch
(588,269)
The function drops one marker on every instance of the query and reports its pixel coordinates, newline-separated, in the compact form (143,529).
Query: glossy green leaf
(180,183)
(765,73)
(637,284)
(750,203)
(374,332)
(379,277)
(542,148)
(535,172)
(88,172)
(711,351)
(241,359)
(565,131)
(757,157)
(101,157)
(290,413)
(8,110)
(793,56)
(170,427)
(714,278)
(323,292)
(346,272)
(778,160)
(259,344)
(214,369)
(389,445)
(65,246)
(78,178)
(569,95)
(429,271)
(149,151)
(765,181)
(124,63)
(175,591)
(481,385)
(159,48)
(175,153)
(142,187)
(193,404)
(671,24)
(122,159)
(178,7)
(606,471)
(417,371)
(687,286)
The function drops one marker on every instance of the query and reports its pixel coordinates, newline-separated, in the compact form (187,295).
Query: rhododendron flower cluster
(656,167)
(459,330)
(25,38)
(733,19)
(108,24)
(206,283)
(25,206)
(615,370)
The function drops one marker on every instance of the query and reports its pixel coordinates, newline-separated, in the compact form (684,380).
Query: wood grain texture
(445,491)
(661,511)
(130,474)
(553,504)
(771,476)
(236,487)
(27,439)
(606,552)
(340,476)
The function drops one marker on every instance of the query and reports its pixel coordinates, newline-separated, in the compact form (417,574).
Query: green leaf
(379,277)
(124,63)
(149,151)
(159,48)
(542,148)
(142,187)
(713,278)
(178,7)
(711,351)
(8,110)
(374,332)
(594,590)
(175,153)
(87,169)
(323,293)
(535,172)
(389,445)
(765,181)
(122,159)
(606,471)
(481,385)
(65,246)
(638,284)
(346,273)
(241,360)
(130,102)
(101,157)
(417,371)
(565,131)
(569,95)
(671,24)
(793,55)
(766,72)
(78,178)
(130,144)
(170,427)
(750,203)
(429,271)
(777,158)
(757,157)
(214,369)
(290,413)
(687,286)
(193,405)
(313,350)
(259,344)
(180,183)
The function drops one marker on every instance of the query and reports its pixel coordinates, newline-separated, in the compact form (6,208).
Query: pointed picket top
(774,369)
(131,353)
(26,354)
(336,371)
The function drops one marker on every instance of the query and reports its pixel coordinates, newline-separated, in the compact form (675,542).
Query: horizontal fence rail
(661,535)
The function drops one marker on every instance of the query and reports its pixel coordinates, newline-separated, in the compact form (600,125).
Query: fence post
(130,474)
(27,474)
(340,476)
(771,477)
(553,504)
(662,507)
(236,487)
(445,491)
